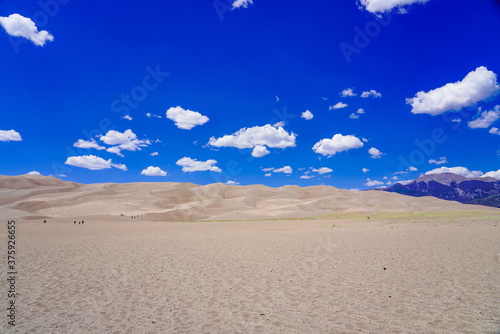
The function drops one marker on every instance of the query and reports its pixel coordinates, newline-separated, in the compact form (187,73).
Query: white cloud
(153,171)
(307,115)
(372,93)
(456,170)
(232,183)
(413,169)
(322,170)
(120,166)
(364,139)
(92,162)
(347,92)
(34,172)
(269,169)
(10,135)
(404,183)
(123,141)
(258,136)
(149,115)
(371,183)
(354,116)
(478,85)
(259,151)
(361,111)
(193,165)
(324,98)
(485,119)
(127,117)
(339,105)
(285,169)
(442,160)
(242,3)
(20,26)
(493,174)
(154,154)
(306,177)
(186,119)
(88,144)
(377,6)
(494,131)
(338,143)
(267,174)
(365,170)
(375,153)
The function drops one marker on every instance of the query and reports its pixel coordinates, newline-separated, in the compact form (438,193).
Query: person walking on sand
(74,222)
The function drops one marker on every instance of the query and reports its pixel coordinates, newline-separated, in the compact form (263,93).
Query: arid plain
(183,258)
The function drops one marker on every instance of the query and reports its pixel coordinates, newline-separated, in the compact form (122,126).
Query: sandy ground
(118,275)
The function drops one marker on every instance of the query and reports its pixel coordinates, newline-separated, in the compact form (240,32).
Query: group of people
(79,222)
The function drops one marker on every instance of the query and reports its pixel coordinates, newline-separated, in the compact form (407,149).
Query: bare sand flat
(430,273)
(247,259)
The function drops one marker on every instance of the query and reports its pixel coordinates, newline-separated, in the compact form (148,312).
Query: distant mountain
(452,187)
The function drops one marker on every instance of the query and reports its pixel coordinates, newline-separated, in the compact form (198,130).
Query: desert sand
(315,263)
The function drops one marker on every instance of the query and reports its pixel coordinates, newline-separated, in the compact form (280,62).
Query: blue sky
(217,91)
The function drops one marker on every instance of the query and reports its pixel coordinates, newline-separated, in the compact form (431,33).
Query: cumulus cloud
(375,153)
(493,174)
(307,115)
(365,170)
(259,151)
(153,171)
(128,117)
(232,183)
(10,135)
(338,143)
(478,85)
(87,144)
(305,177)
(372,183)
(378,6)
(154,154)
(494,131)
(242,3)
(456,170)
(123,141)
(347,92)
(339,105)
(257,137)
(413,169)
(322,170)
(34,172)
(442,160)
(193,165)
(285,169)
(186,119)
(92,162)
(20,26)
(372,93)
(485,119)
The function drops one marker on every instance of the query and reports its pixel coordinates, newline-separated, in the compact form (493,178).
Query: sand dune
(40,196)
(398,272)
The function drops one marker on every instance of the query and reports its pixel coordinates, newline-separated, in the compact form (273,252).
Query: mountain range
(452,187)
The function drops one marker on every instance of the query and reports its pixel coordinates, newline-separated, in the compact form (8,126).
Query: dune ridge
(32,196)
